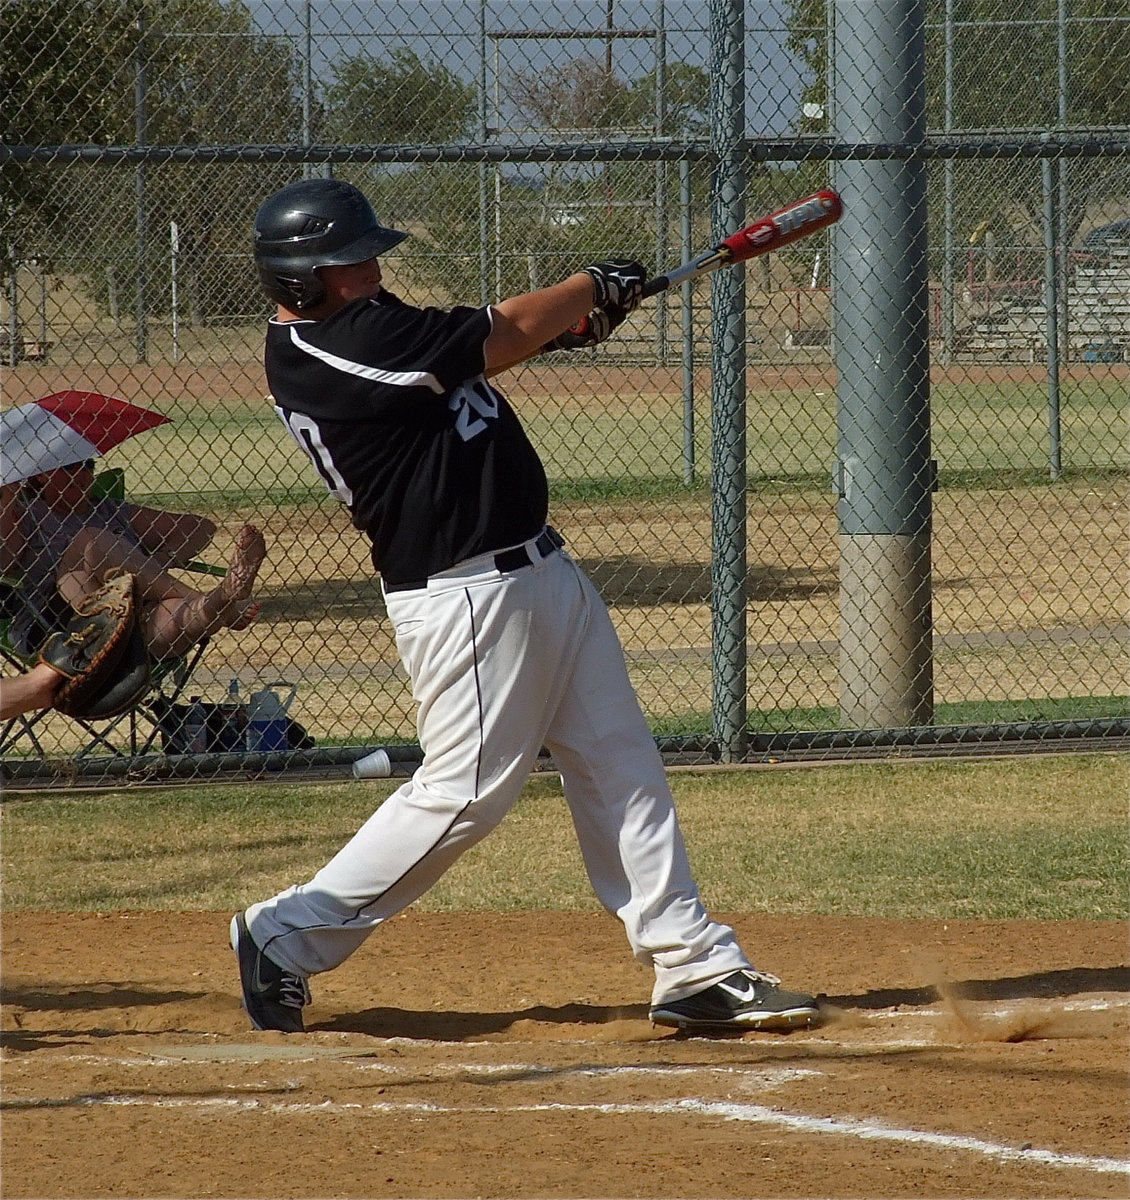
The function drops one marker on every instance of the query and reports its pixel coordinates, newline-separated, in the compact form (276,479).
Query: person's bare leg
(172,627)
(33,690)
(175,616)
(95,554)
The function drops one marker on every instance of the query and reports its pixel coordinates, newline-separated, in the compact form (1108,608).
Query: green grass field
(1039,838)
(981,436)
(1015,556)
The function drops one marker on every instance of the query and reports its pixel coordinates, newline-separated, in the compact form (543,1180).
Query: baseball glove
(89,651)
(126,686)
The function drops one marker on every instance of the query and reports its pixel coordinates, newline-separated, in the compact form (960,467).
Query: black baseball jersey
(391,404)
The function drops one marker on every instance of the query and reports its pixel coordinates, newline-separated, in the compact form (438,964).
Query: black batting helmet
(309,224)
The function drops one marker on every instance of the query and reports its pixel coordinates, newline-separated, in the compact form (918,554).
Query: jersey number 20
(474,404)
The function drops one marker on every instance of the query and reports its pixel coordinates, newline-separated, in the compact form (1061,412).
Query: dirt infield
(507,1055)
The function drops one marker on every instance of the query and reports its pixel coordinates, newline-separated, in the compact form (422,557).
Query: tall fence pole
(728,466)
(309,170)
(881,307)
(687,318)
(1052,280)
(141,197)
(1063,226)
(483,168)
(949,190)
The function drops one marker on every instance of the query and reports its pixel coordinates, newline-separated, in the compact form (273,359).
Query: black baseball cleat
(743,1000)
(274,998)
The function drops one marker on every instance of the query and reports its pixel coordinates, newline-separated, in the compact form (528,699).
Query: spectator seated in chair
(63,542)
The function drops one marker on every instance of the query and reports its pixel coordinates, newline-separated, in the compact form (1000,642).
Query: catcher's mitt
(127,684)
(91,649)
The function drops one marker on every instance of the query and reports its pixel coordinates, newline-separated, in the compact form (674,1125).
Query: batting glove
(589,331)
(617,282)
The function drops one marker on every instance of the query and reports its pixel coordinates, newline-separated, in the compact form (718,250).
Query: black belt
(505,560)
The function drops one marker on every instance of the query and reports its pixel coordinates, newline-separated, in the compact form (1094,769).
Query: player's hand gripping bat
(778,229)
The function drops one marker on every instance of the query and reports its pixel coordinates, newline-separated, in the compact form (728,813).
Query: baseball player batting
(506,642)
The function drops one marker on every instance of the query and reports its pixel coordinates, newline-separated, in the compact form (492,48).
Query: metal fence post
(687,318)
(882,354)
(948,330)
(728,431)
(1052,279)
(141,198)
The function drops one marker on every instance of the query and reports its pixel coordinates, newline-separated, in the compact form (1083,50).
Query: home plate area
(511,1055)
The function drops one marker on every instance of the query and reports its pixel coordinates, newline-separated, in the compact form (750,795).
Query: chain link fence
(866,491)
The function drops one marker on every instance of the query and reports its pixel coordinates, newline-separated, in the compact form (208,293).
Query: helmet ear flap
(291,291)
(313,290)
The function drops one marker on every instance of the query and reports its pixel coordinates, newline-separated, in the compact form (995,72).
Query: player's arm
(525,325)
(521,325)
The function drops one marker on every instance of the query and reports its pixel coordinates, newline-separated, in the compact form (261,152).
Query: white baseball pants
(502,663)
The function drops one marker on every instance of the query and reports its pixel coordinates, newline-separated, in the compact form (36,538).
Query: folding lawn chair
(132,733)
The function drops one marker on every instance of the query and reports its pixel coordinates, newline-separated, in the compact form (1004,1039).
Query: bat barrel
(777,230)
(786,225)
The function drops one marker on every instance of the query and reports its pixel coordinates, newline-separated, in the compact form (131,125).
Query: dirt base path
(510,1055)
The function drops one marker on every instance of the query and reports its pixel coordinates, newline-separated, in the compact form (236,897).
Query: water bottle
(195,728)
(235,720)
(267,721)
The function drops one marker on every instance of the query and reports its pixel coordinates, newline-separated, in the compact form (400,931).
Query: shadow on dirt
(621,581)
(101,995)
(636,581)
(322,599)
(456,1026)
(1042,984)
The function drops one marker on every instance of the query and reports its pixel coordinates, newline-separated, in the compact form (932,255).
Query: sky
(447,30)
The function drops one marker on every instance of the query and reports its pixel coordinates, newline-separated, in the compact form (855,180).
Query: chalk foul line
(871,1130)
(865,1129)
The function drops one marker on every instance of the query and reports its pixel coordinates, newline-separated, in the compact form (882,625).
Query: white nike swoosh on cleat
(747,994)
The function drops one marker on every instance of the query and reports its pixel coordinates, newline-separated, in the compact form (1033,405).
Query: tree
(400,100)
(582,95)
(71,69)
(686,100)
(211,79)
(404,99)
(65,77)
(610,205)
(1005,68)
(1099,88)
(1005,77)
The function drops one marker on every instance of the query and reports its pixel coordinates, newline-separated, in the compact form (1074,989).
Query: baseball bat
(778,229)
(766,234)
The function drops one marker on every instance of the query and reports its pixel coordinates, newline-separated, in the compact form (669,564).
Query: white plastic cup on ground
(373,766)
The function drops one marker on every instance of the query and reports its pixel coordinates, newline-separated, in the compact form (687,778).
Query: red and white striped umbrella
(65,428)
